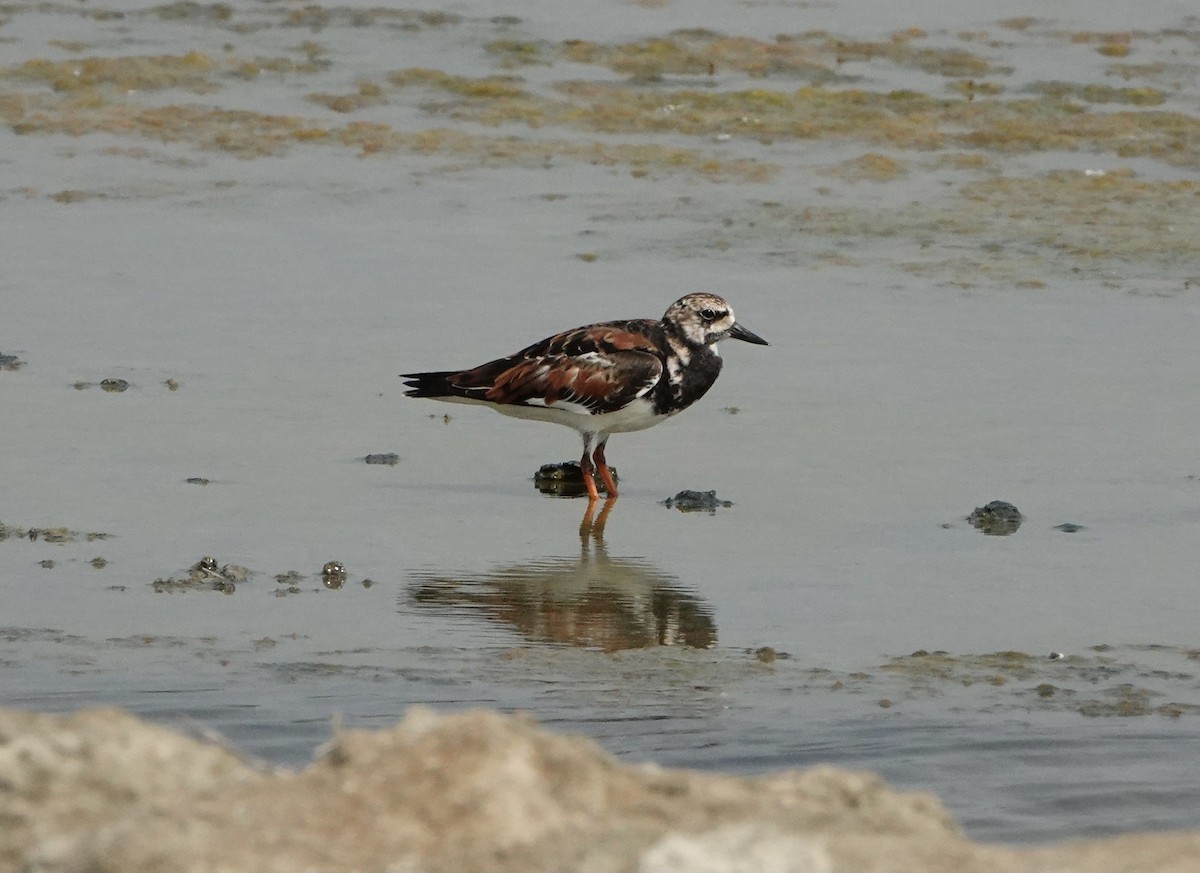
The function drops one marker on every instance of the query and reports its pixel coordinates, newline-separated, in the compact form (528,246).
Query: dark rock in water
(696,501)
(768,654)
(205,575)
(113,386)
(10,362)
(333,574)
(51,534)
(567,471)
(565,479)
(1068,527)
(391,459)
(996,519)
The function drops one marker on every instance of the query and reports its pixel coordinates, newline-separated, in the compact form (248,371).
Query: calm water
(916,370)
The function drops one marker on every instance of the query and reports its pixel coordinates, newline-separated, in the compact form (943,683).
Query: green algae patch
(72,195)
(248,134)
(1014,230)
(870,167)
(137,73)
(99,79)
(509,53)
(808,113)
(1122,700)
(490,100)
(188,10)
(1104,685)
(815,55)
(1097,217)
(483,88)
(994,668)
(970,113)
(972,88)
(702,53)
(949,62)
(253,134)
(1101,93)
(901,118)
(251,69)
(368,94)
(645,160)
(316,18)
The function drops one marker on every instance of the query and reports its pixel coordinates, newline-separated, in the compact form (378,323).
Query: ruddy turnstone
(601,379)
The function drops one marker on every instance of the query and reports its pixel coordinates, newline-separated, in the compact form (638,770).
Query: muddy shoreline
(102,790)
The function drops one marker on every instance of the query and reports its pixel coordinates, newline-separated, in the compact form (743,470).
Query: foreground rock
(101,790)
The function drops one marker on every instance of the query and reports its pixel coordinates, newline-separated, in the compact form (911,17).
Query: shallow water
(973,324)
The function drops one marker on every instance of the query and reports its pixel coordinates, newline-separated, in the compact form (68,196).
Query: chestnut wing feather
(600,367)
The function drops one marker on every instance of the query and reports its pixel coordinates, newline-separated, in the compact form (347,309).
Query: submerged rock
(565,479)
(205,575)
(333,574)
(996,519)
(696,501)
(389,459)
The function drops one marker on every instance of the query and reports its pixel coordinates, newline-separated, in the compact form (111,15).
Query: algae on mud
(684,108)
(815,56)
(104,98)
(56,535)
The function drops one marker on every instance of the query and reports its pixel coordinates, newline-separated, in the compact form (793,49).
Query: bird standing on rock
(601,379)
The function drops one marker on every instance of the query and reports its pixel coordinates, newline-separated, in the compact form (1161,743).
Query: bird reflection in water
(593,600)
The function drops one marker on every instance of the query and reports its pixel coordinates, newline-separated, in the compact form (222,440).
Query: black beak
(739,332)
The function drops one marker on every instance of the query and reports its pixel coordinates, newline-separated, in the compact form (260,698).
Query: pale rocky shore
(102,790)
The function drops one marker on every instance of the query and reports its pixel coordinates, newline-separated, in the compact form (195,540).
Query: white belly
(638,415)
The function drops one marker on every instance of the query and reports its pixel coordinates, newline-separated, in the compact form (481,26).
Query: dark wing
(601,367)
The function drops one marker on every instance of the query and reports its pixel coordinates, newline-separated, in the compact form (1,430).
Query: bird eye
(708,314)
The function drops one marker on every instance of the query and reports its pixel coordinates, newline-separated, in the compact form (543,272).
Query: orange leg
(605,474)
(589,478)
